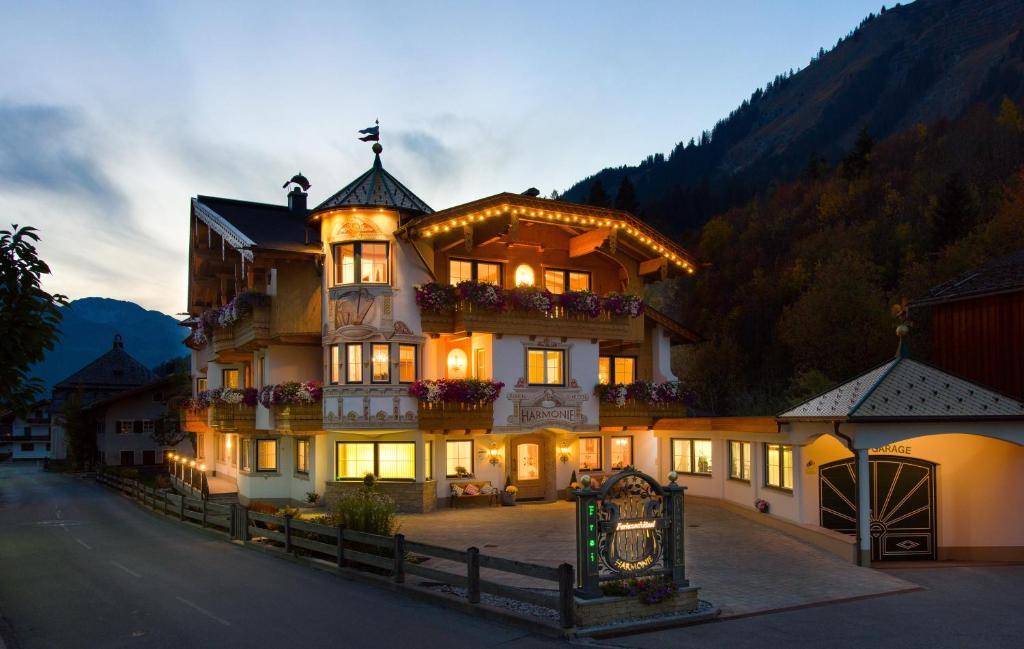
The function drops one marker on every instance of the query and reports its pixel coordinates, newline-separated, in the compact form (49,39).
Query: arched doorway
(903,505)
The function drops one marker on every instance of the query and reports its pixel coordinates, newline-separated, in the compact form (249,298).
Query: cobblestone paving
(739,565)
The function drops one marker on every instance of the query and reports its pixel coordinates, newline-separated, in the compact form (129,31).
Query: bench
(480,485)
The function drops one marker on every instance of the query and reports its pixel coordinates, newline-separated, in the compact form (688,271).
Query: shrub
(312,497)
(365,510)
(264,508)
(649,590)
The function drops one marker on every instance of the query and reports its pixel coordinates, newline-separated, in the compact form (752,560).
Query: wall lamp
(492,456)
(563,452)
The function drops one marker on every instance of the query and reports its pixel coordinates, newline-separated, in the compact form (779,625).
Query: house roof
(679,334)
(1001,275)
(115,368)
(905,389)
(158,384)
(246,224)
(376,188)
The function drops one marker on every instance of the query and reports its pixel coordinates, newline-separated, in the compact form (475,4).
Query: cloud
(436,159)
(42,148)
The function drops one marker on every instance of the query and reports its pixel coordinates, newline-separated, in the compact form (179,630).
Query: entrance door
(528,453)
(902,505)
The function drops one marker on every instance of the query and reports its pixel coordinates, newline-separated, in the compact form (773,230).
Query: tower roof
(376,188)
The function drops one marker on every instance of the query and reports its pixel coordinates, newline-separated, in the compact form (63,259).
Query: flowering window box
(642,403)
(296,406)
(233,418)
(455,416)
(195,421)
(639,414)
(298,418)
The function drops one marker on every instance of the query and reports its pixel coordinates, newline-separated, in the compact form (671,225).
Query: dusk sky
(114,114)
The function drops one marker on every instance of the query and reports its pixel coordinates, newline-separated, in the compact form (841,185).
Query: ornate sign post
(630,527)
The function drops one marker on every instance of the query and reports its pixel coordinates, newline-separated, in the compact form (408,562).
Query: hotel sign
(539,408)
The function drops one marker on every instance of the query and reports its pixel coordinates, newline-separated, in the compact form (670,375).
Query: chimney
(297,202)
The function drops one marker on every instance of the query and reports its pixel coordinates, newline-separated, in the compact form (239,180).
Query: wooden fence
(347,548)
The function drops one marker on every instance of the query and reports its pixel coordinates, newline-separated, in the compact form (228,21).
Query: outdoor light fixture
(457,361)
(524,275)
(191,463)
(492,455)
(202,467)
(563,452)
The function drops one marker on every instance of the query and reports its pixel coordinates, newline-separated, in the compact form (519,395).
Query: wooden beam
(652,265)
(587,242)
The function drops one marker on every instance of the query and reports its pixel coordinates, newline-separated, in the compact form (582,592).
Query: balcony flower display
(582,303)
(623,304)
(240,306)
(645,392)
(291,393)
(456,391)
(227,397)
(482,295)
(531,298)
(434,297)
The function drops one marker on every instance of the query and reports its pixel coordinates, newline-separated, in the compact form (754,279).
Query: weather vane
(371,133)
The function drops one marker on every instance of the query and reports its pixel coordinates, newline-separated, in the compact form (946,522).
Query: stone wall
(608,610)
(410,497)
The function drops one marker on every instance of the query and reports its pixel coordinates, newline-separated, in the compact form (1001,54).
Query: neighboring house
(977,324)
(129,424)
(26,438)
(112,373)
(330,294)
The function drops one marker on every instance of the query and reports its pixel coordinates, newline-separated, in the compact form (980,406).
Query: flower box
(298,418)
(195,421)
(233,418)
(441,415)
(437,323)
(639,413)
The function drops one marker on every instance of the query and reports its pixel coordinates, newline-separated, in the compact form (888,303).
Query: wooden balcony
(455,416)
(243,337)
(291,420)
(468,319)
(233,418)
(195,421)
(638,413)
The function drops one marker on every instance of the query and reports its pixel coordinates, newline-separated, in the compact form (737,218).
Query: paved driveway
(740,565)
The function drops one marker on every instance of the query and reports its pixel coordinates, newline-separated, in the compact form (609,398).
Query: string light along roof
(376,188)
(905,389)
(539,209)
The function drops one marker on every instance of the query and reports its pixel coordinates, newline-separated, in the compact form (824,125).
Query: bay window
(361,262)
(691,456)
(406,363)
(354,363)
(380,363)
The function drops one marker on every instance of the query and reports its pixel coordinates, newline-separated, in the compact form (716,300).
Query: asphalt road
(81,566)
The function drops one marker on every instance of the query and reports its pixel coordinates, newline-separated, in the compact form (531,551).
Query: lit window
(362,262)
(490,273)
(201,385)
(604,370)
(459,271)
(380,353)
(302,456)
(558,280)
(528,461)
(546,366)
(590,454)
(230,379)
(554,281)
(479,363)
(266,455)
(524,275)
(124,426)
(406,363)
(778,466)
(622,452)
(428,460)
(616,369)
(355,460)
(354,363)
(334,371)
(459,460)
(691,455)
(579,281)
(222,448)
(739,460)
(200,446)
(245,453)
(396,461)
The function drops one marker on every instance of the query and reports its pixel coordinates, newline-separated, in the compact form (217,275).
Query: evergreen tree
(625,199)
(597,197)
(856,162)
(954,211)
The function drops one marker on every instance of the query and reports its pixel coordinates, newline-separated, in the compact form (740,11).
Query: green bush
(365,510)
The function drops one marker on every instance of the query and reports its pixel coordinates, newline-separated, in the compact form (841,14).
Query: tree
(954,211)
(856,162)
(79,432)
(29,317)
(625,199)
(597,197)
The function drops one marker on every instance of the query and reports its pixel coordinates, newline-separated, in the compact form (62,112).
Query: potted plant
(508,496)
(762,505)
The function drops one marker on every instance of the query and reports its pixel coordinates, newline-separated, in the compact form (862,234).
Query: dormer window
(361,262)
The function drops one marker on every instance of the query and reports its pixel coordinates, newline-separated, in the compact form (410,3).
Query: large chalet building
(454,347)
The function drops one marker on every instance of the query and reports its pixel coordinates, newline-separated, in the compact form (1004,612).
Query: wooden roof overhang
(592,227)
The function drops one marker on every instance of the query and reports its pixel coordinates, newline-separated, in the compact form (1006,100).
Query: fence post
(473,575)
(243,518)
(203,503)
(566,600)
(181,507)
(398,573)
(165,503)
(341,546)
(287,533)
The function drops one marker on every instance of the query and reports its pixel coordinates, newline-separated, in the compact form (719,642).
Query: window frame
(359,365)
(387,363)
(200,446)
(357,257)
(612,379)
(693,455)
(782,467)
(415,362)
(600,454)
(245,462)
(611,443)
(240,384)
(202,384)
(565,278)
(334,364)
(256,455)
(474,272)
(304,456)
(472,449)
(745,460)
(545,352)
(376,461)
(428,460)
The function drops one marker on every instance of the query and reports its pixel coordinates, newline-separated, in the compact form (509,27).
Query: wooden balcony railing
(639,413)
(466,318)
(195,421)
(292,419)
(245,336)
(234,418)
(455,416)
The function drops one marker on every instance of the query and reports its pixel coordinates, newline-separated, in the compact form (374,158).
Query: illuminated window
(201,385)
(354,363)
(245,453)
(459,458)
(261,371)
(232,451)
(490,273)
(396,461)
(691,455)
(528,461)
(222,448)
(590,454)
(546,366)
(266,455)
(334,371)
(124,426)
(778,466)
(406,363)
(428,460)
(480,363)
(200,446)
(361,262)
(230,379)
(380,355)
(355,460)
(558,280)
(616,369)
(622,452)
(739,460)
(461,270)
(302,456)
(524,275)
